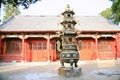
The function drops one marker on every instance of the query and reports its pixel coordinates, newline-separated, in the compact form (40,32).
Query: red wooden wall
(37,50)
(106,49)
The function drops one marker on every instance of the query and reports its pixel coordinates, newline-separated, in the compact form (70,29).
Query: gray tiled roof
(52,23)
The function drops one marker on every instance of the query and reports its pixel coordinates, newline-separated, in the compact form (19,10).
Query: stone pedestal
(69,72)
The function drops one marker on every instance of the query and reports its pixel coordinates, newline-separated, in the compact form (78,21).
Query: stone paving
(91,70)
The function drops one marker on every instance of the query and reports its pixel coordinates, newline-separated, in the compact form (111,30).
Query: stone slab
(69,72)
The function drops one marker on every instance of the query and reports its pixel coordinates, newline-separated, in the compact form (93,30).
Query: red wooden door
(118,45)
(87,51)
(37,51)
(106,49)
(53,51)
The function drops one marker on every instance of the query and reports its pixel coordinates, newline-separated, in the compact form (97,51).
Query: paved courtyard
(91,70)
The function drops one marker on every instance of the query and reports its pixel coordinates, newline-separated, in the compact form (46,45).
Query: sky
(56,7)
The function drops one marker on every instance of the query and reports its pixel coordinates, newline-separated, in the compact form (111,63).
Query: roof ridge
(38,15)
(11,17)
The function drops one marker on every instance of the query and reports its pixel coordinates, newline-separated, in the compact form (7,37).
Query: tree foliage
(116,11)
(16,3)
(10,10)
(113,13)
(11,6)
(107,13)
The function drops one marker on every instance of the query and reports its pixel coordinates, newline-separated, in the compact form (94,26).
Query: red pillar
(48,47)
(23,47)
(96,45)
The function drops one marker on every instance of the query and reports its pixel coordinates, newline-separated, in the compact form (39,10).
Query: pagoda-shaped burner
(69,52)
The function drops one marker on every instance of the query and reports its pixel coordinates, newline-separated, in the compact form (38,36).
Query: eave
(99,31)
(54,31)
(29,32)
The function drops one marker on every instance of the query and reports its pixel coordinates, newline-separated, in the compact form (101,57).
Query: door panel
(87,51)
(118,45)
(106,49)
(53,51)
(37,51)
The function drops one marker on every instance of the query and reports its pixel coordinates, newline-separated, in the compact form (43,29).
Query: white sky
(56,7)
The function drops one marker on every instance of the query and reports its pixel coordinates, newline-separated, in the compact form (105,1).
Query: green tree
(116,11)
(10,10)
(107,13)
(16,3)
(11,6)
(113,13)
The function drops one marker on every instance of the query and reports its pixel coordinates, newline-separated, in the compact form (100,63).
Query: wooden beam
(34,36)
(86,35)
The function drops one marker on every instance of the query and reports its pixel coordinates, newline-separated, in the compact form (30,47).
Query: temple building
(35,38)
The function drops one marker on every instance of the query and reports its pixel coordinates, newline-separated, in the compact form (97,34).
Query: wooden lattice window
(13,46)
(40,45)
(37,45)
(44,45)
